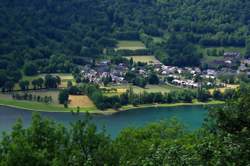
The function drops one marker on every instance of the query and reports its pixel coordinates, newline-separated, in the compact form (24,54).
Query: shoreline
(95,111)
(130,107)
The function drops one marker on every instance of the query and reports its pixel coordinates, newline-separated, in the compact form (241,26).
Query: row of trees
(223,140)
(49,81)
(32,97)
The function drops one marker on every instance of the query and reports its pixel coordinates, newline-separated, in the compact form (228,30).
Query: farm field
(85,104)
(149,88)
(142,58)
(130,45)
(80,101)
(229,86)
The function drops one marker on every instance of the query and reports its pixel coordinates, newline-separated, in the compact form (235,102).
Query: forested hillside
(55,34)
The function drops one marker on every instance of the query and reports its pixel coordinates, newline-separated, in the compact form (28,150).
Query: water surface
(192,116)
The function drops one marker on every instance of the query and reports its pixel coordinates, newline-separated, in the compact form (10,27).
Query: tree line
(49,81)
(103,101)
(32,97)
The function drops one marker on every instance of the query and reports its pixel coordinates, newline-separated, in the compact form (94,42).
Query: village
(213,75)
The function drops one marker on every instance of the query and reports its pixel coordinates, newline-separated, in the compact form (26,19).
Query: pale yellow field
(149,88)
(142,58)
(80,101)
(228,86)
(130,45)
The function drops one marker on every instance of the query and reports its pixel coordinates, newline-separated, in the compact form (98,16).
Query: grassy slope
(195,103)
(149,89)
(35,106)
(144,59)
(130,45)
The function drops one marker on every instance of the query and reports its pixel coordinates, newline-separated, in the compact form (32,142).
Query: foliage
(52,36)
(224,140)
(30,69)
(63,96)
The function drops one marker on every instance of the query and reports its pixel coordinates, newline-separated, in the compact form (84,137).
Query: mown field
(149,88)
(130,45)
(228,86)
(80,101)
(142,58)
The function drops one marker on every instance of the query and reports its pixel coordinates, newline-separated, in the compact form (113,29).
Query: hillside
(53,35)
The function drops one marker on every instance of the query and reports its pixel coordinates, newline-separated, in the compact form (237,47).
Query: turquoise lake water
(191,116)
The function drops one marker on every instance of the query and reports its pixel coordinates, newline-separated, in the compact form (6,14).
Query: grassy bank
(42,107)
(195,103)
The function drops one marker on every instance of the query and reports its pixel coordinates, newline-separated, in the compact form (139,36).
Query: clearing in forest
(130,45)
(143,58)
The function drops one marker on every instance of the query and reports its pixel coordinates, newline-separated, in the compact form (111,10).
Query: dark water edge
(191,116)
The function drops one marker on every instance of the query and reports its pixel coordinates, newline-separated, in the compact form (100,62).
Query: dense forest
(49,36)
(223,140)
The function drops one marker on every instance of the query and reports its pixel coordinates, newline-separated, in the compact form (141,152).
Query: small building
(231,55)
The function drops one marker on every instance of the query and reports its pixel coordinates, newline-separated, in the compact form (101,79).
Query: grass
(80,101)
(53,93)
(130,45)
(229,86)
(142,58)
(158,39)
(149,88)
(42,107)
(195,103)
(35,106)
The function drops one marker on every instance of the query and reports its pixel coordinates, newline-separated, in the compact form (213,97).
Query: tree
(63,96)
(217,95)
(9,86)
(181,52)
(153,79)
(140,81)
(34,84)
(69,84)
(24,85)
(248,48)
(30,69)
(52,81)
(40,82)
(203,95)
(230,124)
(3,78)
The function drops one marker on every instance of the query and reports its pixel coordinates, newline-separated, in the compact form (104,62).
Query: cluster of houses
(102,70)
(181,76)
(244,67)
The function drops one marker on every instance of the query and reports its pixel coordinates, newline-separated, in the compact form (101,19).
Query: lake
(191,116)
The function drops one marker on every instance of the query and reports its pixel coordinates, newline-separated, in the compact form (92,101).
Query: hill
(55,35)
